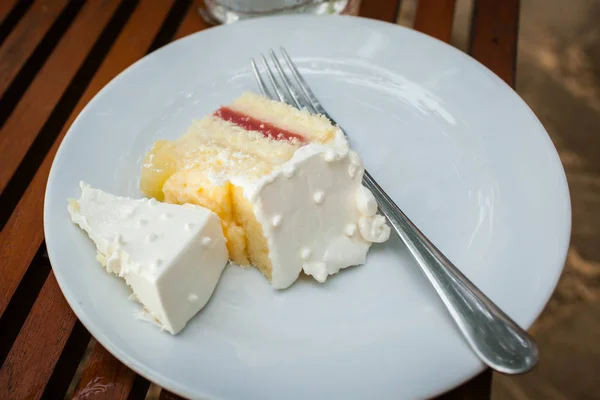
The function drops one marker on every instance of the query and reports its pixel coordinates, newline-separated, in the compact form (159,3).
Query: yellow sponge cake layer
(193,186)
(214,130)
(315,128)
(256,243)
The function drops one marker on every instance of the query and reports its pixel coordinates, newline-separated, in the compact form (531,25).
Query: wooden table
(55,55)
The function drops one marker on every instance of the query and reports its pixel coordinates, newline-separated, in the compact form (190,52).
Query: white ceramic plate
(452,144)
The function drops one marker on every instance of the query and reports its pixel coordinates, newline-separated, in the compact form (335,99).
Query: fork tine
(280,94)
(285,80)
(259,80)
(310,96)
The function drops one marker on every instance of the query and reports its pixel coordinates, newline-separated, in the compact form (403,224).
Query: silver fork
(494,337)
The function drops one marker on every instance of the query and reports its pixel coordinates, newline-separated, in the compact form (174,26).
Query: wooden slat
(68,363)
(434,18)
(192,23)
(24,38)
(384,10)
(31,360)
(6,7)
(24,228)
(24,231)
(43,94)
(494,36)
(104,377)
(11,12)
(38,57)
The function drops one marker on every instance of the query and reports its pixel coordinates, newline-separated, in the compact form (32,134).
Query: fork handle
(494,336)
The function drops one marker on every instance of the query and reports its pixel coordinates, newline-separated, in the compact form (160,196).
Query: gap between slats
(34,63)
(12,364)
(50,83)
(28,366)
(25,233)
(26,150)
(25,36)
(67,363)
(11,12)
(21,302)
(105,375)
(24,140)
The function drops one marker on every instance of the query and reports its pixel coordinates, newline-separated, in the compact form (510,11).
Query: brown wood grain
(21,42)
(384,10)
(192,23)
(104,377)
(31,360)
(34,108)
(434,18)
(494,36)
(5,7)
(23,232)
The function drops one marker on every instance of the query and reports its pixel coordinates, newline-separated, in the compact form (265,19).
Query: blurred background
(558,75)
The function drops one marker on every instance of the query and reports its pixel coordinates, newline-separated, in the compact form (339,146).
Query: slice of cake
(171,256)
(284,182)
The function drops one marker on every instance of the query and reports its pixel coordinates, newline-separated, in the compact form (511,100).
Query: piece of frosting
(316,215)
(171,256)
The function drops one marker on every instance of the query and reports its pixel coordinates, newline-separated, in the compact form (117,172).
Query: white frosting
(350,229)
(289,171)
(317,269)
(320,196)
(171,256)
(330,156)
(352,170)
(365,201)
(305,253)
(276,221)
(374,229)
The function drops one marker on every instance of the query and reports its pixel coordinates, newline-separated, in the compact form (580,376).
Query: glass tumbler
(228,11)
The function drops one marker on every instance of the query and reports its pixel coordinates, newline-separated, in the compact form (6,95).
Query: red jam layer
(253,124)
